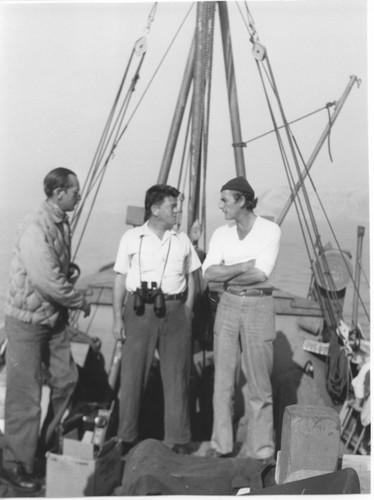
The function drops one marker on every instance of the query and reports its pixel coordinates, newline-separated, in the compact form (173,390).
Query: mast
(231,88)
(360,237)
(202,28)
(178,117)
(203,56)
(196,71)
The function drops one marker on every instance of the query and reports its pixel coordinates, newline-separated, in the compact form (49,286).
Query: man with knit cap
(241,258)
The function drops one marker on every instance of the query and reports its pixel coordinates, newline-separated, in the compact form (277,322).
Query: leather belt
(175,296)
(250,292)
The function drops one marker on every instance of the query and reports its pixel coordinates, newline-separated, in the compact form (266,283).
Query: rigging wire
(325,267)
(332,231)
(100,174)
(321,268)
(95,176)
(323,271)
(106,128)
(338,374)
(254,38)
(157,69)
(110,131)
(323,108)
(267,70)
(305,229)
(139,46)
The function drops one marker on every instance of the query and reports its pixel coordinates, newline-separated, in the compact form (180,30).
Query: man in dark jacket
(39,296)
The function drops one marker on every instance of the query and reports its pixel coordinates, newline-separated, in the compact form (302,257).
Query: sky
(62,64)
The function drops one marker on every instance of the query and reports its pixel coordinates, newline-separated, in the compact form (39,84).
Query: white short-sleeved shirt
(169,259)
(261,244)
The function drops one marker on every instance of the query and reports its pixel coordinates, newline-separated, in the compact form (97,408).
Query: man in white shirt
(241,257)
(154,269)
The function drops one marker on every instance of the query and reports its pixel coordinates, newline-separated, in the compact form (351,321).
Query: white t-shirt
(261,243)
(167,261)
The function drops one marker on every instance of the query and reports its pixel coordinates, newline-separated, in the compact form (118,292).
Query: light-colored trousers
(29,347)
(247,324)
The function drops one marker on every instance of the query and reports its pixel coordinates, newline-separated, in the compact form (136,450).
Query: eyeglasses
(76,192)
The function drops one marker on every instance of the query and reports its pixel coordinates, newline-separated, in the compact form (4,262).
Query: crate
(309,444)
(80,472)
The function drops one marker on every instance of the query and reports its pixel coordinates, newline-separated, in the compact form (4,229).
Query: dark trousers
(29,347)
(172,336)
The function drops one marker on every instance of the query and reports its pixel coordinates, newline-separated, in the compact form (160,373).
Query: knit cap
(239,184)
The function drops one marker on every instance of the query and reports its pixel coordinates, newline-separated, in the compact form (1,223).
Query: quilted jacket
(39,289)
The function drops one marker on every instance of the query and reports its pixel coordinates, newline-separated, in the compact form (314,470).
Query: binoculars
(149,295)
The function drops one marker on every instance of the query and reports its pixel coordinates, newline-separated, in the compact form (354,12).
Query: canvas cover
(153,469)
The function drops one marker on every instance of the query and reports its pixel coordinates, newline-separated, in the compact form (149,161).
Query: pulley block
(259,51)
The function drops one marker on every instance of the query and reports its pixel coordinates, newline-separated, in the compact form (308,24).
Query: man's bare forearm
(250,277)
(221,273)
(191,290)
(119,292)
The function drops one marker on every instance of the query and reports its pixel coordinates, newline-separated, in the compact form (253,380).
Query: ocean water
(292,272)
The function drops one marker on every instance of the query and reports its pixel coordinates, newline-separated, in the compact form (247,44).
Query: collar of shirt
(145,230)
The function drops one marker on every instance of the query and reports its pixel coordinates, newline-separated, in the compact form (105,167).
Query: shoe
(212,453)
(18,478)
(266,461)
(183,449)
(268,476)
(40,468)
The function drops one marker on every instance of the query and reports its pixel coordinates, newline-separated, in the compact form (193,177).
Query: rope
(318,249)
(114,129)
(322,273)
(334,236)
(321,269)
(98,180)
(156,70)
(104,141)
(337,371)
(99,150)
(323,108)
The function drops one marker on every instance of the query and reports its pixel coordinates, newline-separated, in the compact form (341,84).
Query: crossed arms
(244,273)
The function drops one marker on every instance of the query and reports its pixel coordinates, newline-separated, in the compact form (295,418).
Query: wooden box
(79,472)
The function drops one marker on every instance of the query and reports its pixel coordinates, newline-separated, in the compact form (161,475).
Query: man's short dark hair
(155,195)
(57,178)
(250,202)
